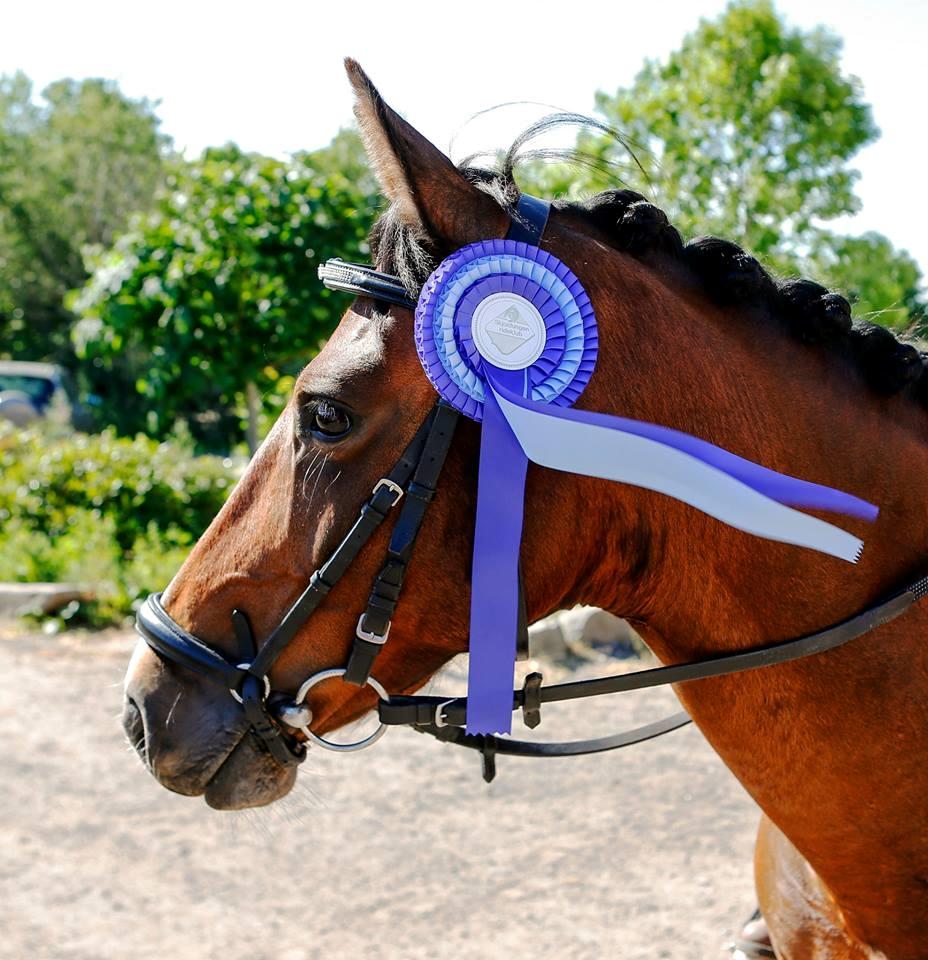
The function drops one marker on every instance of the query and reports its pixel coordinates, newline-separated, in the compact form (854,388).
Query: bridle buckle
(438,720)
(379,638)
(395,488)
(236,695)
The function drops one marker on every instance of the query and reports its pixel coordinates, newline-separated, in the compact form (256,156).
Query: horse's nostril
(134,726)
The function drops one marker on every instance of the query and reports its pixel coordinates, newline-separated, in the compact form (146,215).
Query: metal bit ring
(329,744)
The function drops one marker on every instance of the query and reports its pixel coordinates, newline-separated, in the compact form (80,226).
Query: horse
(695,336)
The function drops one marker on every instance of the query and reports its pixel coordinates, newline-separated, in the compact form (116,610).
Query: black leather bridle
(273,717)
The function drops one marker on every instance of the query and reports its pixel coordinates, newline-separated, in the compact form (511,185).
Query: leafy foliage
(750,125)
(217,288)
(746,132)
(133,482)
(344,158)
(114,512)
(72,170)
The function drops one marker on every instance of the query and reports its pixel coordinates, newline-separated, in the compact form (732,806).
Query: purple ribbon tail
(790,491)
(494,604)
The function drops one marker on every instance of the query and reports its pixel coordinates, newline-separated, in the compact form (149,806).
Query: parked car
(36,391)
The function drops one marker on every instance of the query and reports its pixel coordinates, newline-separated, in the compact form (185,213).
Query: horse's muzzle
(194,738)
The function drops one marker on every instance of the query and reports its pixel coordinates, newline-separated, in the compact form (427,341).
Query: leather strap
(526,225)
(531,700)
(421,711)
(246,677)
(282,748)
(523,651)
(529,220)
(528,748)
(163,635)
(385,496)
(374,625)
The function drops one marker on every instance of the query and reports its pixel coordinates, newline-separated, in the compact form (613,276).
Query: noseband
(273,717)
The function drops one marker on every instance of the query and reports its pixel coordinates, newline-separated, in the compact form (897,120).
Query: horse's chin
(248,777)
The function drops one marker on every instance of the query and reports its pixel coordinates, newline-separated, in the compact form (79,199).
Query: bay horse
(697,337)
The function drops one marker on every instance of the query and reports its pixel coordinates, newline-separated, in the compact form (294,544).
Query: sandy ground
(398,852)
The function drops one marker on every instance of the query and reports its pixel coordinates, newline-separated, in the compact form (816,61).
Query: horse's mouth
(230,773)
(248,777)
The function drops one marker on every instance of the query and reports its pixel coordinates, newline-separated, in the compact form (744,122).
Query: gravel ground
(399,852)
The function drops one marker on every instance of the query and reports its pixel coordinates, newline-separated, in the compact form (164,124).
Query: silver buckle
(390,485)
(267,684)
(378,638)
(439,720)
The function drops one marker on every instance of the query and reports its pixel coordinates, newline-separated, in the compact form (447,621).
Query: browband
(364,281)
(527,224)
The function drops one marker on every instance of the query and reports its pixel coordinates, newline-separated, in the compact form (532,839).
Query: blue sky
(268,74)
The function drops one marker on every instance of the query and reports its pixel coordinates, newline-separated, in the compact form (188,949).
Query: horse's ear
(426,188)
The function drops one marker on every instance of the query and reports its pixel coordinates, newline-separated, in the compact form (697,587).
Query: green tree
(746,132)
(214,295)
(73,167)
(883,283)
(345,158)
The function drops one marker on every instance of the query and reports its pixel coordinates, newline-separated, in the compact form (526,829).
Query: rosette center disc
(508,331)
(506,306)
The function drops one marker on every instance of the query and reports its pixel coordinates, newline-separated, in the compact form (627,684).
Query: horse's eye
(328,421)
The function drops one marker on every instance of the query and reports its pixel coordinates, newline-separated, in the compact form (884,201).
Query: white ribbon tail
(612,454)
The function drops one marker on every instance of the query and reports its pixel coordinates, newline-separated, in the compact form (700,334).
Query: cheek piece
(507,336)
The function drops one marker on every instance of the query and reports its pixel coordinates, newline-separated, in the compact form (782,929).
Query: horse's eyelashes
(324,420)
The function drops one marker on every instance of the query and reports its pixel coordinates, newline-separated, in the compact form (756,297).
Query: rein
(273,716)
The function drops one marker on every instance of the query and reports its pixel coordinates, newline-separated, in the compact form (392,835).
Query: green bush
(118,514)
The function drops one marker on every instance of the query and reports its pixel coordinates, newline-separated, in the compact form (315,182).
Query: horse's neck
(795,409)
(831,747)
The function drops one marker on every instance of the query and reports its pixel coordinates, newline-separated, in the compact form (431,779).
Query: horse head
(674,349)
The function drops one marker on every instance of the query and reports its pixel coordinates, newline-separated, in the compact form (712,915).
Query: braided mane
(810,312)
(730,276)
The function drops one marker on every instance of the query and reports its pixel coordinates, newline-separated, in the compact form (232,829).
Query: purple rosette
(544,287)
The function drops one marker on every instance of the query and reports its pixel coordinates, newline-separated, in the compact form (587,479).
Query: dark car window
(38,389)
